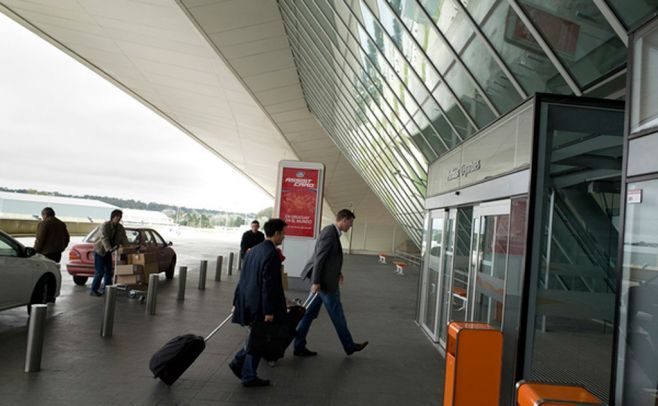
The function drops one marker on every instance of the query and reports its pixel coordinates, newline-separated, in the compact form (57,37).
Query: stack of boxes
(137,269)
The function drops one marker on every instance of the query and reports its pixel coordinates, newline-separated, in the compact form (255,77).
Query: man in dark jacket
(325,270)
(259,296)
(251,238)
(52,235)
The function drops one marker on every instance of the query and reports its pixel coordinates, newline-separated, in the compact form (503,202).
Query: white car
(26,278)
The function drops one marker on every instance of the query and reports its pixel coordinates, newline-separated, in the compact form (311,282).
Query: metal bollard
(152,293)
(182,279)
(35,334)
(230,263)
(203,268)
(218,268)
(108,313)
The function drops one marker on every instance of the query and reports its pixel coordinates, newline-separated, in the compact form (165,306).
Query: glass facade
(398,83)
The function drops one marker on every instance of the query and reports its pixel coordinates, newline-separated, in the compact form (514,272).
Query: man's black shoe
(305,352)
(358,347)
(256,382)
(236,369)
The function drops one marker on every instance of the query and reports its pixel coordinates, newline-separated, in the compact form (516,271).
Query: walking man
(52,235)
(251,238)
(259,296)
(324,269)
(113,236)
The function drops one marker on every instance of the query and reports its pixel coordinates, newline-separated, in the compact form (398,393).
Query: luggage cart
(132,290)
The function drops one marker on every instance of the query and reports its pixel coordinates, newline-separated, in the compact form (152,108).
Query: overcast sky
(64,128)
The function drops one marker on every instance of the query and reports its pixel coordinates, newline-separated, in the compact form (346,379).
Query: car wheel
(80,280)
(42,294)
(169,273)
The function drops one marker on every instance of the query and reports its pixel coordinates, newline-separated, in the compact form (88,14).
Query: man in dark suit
(324,269)
(259,296)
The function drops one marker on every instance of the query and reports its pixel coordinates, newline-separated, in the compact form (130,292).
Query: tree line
(185,216)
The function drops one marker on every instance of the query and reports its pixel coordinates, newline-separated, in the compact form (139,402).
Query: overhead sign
(464,170)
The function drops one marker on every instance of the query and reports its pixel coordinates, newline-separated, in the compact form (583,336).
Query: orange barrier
(473,365)
(548,394)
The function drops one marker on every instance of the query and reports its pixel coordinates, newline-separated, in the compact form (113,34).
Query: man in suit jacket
(324,269)
(259,296)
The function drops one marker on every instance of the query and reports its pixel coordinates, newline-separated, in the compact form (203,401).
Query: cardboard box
(132,269)
(148,262)
(128,279)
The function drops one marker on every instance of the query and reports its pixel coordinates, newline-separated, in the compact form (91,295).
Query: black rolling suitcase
(170,361)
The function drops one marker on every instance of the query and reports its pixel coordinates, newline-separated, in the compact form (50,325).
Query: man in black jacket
(259,296)
(251,238)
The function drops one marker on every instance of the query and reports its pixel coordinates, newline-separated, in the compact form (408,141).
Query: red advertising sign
(299,200)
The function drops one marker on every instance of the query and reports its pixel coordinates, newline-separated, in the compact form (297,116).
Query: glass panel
(479,61)
(513,289)
(426,35)
(573,261)
(460,276)
(446,296)
(633,12)
(522,55)
(433,268)
(490,269)
(449,20)
(637,370)
(478,9)
(579,35)
(644,106)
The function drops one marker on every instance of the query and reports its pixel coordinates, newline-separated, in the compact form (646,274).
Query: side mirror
(30,252)
(170,243)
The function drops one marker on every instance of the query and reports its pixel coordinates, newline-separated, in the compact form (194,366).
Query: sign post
(300,190)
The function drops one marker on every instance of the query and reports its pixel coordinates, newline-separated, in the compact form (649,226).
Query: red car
(81,256)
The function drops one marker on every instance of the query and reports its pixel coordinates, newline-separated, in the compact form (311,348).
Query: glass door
(489,256)
(455,279)
(431,273)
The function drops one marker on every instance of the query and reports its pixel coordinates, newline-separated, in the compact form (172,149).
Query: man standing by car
(250,239)
(112,236)
(259,296)
(52,235)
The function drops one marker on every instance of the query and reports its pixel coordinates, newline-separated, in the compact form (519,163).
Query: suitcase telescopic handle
(311,297)
(212,333)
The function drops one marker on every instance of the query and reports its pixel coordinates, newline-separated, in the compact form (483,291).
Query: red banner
(299,198)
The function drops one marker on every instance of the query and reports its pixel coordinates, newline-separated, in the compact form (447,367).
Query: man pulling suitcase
(259,297)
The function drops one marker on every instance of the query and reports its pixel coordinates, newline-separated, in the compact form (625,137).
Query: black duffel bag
(269,339)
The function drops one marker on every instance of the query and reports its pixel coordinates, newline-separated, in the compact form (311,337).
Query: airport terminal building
(511,143)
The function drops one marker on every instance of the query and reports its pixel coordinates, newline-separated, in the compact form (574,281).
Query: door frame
(438,214)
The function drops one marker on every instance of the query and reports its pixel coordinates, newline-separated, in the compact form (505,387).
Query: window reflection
(579,35)
(638,335)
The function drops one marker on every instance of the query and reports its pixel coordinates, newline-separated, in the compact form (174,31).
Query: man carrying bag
(259,297)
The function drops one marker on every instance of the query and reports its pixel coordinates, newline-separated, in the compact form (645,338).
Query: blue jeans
(248,362)
(334,308)
(102,268)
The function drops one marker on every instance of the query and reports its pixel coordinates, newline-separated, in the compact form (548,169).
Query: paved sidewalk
(399,367)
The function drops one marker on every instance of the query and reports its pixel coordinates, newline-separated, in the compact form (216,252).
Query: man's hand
(340,278)
(315,287)
(269,317)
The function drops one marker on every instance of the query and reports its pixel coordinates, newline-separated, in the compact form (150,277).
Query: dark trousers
(103,270)
(54,256)
(334,308)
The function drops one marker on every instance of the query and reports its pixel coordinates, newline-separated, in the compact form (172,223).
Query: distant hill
(182,215)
